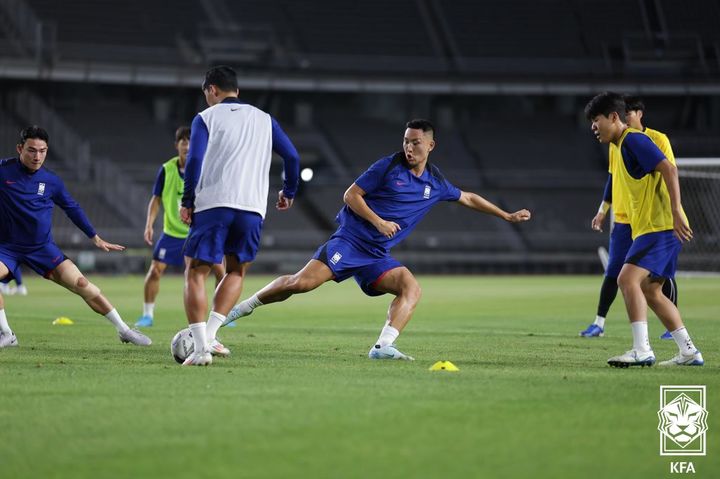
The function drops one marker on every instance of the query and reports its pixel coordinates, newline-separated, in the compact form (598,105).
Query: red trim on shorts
(374,283)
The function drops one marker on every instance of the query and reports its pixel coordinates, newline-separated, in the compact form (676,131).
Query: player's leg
(67,275)
(7,337)
(20,288)
(688,354)
(400,282)
(669,289)
(307,279)
(195,299)
(630,282)
(620,242)
(219,271)
(150,291)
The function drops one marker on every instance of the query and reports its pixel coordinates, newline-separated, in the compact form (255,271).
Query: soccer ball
(182,345)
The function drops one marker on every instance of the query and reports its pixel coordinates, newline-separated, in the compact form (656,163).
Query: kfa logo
(426,193)
(41,189)
(335,258)
(682,420)
(161,253)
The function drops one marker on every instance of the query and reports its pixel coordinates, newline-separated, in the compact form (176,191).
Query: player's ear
(19,148)
(431,146)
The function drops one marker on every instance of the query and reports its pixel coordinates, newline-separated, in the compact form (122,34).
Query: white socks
(600,321)
(388,335)
(114,317)
(641,342)
(199,336)
(215,320)
(148,309)
(682,339)
(248,306)
(4,326)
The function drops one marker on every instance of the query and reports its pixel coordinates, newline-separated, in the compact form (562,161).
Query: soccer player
(225,200)
(620,237)
(658,225)
(382,207)
(28,194)
(19,288)
(168,191)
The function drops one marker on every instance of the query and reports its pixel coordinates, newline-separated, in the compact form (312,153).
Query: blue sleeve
(452,192)
(72,209)
(199,136)
(159,182)
(374,176)
(646,153)
(282,145)
(607,194)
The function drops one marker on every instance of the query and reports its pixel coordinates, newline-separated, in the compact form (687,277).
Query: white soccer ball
(182,345)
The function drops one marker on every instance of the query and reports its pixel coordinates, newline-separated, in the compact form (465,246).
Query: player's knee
(155,272)
(85,289)
(298,284)
(413,292)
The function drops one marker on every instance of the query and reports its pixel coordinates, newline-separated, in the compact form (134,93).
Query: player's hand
(681,228)
(388,228)
(186,215)
(597,222)
(105,246)
(149,235)
(519,216)
(283,202)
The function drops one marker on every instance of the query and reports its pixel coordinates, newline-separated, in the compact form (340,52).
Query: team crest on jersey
(426,193)
(41,189)
(335,258)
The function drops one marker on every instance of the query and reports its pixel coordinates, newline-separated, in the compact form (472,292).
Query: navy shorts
(656,252)
(43,260)
(620,243)
(345,259)
(218,232)
(169,250)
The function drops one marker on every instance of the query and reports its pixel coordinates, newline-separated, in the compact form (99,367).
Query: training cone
(63,321)
(444,366)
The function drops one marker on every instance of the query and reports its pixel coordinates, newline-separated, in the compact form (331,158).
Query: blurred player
(382,207)
(28,194)
(168,190)
(621,236)
(19,288)
(659,227)
(225,200)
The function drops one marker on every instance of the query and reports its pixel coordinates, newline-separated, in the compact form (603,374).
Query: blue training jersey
(27,200)
(395,194)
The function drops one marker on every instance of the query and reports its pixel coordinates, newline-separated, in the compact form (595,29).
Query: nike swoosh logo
(234,109)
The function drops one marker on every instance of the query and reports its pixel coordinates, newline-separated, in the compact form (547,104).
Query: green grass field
(299,398)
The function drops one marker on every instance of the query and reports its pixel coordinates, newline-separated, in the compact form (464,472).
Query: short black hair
(223,77)
(182,133)
(604,104)
(35,133)
(634,103)
(420,124)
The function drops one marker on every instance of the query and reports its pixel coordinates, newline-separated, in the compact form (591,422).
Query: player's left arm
(72,209)
(478,203)
(670,176)
(282,145)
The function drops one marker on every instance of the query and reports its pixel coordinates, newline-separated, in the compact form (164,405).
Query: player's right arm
(353,197)
(199,136)
(154,205)
(599,218)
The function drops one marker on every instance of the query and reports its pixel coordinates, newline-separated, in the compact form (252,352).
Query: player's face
(633,119)
(417,145)
(32,153)
(182,146)
(605,128)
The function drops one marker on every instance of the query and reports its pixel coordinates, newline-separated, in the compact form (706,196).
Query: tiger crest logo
(682,420)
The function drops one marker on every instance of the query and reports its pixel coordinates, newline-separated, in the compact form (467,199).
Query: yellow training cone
(444,366)
(63,321)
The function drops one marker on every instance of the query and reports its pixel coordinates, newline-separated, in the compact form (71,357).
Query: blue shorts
(656,252)
(169,250)
(620,243)
(217,232)
(345,259)
(43,260)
